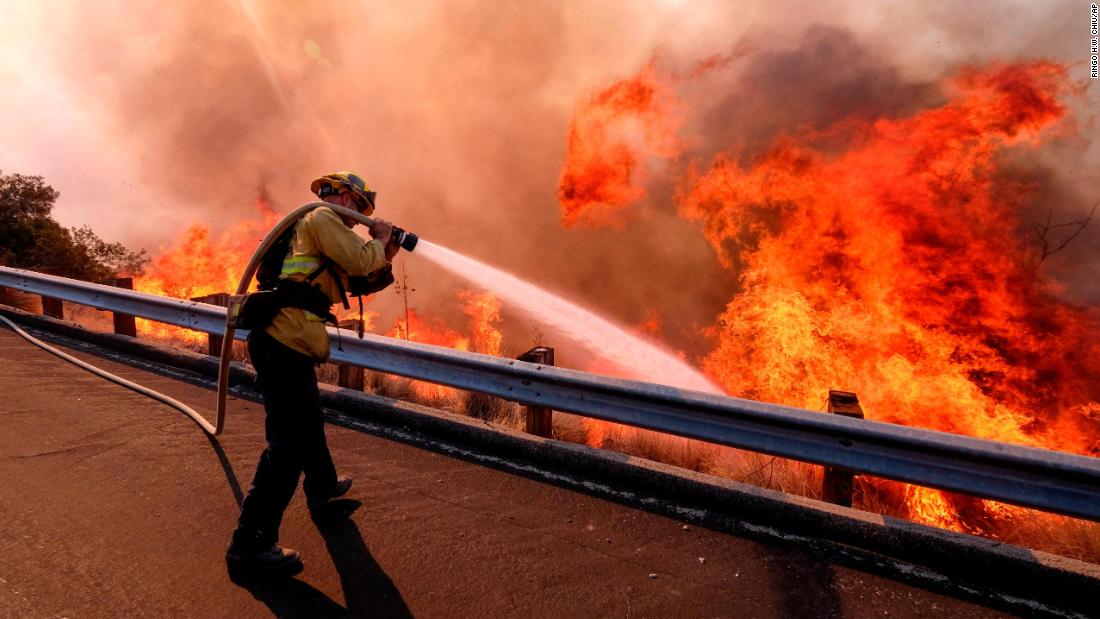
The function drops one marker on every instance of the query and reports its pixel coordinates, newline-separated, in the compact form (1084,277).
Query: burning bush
(888,257)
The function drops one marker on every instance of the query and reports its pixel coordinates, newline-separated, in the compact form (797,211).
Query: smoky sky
(829,77)
(150,117)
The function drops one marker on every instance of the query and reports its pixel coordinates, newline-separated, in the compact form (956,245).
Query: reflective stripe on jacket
(321,233)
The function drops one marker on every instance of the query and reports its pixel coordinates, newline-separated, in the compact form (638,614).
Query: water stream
(641,359)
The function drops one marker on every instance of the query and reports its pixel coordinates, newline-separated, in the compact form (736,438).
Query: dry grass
(771,472)
(374,382)
(494,410)
(388,386)
(21,300)
(681,452)
(90,318)
(1069,537)
(570,428)
(878,498)
(328,373)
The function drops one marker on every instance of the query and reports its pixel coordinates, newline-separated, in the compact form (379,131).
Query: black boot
(246,553)
(339,489)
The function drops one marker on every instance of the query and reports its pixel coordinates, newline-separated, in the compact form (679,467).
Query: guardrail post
(124,323)
(349,376)
(53,307)
(540,421)
(837,482)
(221,299)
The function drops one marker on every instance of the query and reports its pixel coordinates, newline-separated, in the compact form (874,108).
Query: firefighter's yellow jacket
(319,234)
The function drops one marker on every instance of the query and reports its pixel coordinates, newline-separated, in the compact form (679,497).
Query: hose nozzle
(407,240)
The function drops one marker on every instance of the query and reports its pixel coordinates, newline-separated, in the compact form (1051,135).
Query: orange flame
(885,257)
(418,329)
(425,331)
(651,324)
(200,263)
(484,312)
(896,269)
(610,135)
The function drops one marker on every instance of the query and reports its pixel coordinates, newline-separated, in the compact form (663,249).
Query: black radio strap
(327,264)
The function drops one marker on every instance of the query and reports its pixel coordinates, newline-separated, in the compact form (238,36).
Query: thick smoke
(152,117)
(829,77)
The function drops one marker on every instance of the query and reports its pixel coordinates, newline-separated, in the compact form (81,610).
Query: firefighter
(324,251)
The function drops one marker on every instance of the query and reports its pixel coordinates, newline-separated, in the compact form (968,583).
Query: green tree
(30,238)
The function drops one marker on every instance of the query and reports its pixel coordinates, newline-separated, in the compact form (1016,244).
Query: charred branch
(1050,246)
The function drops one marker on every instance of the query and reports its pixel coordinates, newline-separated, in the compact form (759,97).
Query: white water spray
(642,359)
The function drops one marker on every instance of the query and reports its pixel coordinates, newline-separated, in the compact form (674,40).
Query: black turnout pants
(295,431)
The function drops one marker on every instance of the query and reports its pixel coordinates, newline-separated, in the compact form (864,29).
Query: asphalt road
(115,505)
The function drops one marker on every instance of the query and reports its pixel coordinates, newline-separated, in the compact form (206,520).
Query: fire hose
(156,395)
(405,239)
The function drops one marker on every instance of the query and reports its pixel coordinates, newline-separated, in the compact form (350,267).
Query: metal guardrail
(1039,478)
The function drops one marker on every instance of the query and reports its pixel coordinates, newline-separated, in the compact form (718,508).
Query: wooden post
(349,376)
(540,421)
(214,342)
(837,482)
(124,323)
(53,307)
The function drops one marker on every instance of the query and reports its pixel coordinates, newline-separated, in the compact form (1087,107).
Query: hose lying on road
(156,395)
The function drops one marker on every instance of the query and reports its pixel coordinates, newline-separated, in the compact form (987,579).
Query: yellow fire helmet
(345,182)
